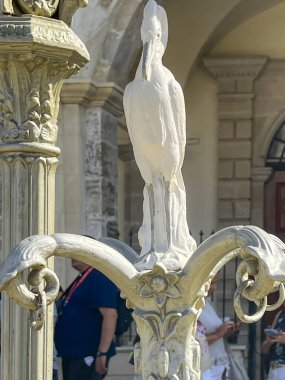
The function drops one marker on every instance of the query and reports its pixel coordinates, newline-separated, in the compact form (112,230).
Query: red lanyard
(76,284)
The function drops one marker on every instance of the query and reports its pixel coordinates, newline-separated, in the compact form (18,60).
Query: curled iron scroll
(37,322)
(238,308)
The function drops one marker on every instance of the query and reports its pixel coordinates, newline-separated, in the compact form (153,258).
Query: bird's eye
(158,35)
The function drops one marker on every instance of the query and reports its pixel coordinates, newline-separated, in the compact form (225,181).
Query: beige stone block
(267,105)
(244,84)
(226,169)
(72,193)
(71,117)
(226,130)
(234,149)
(234,189)
(242,169)
(225,209)
(242,209)
(226,85)
(243,129)
(239,108)
(72,152)
(73,223)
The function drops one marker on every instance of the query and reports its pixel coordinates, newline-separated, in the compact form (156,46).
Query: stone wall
(236,95)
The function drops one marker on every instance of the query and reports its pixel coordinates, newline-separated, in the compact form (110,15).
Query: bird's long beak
(146,66)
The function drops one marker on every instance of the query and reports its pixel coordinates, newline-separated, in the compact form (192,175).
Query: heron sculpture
(155,114)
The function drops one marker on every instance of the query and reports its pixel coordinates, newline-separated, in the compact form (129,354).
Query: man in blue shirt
(86,324)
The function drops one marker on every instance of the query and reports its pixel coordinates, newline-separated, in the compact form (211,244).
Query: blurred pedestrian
(216,331)
(274,346)
(86,324)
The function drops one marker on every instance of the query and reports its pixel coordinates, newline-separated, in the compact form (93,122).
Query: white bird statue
(155,114)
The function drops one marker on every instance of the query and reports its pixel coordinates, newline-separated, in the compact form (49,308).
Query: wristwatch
(100,353)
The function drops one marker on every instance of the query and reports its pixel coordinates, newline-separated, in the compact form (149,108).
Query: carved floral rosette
(36,55)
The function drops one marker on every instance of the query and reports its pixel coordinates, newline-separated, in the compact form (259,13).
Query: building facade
(230,60)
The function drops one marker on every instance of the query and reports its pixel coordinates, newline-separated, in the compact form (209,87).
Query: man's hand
(100,364)
(109,321)
(225,329)
(280,338)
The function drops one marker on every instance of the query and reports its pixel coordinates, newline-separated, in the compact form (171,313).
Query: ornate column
(103,105)
(235,78)
(36,55)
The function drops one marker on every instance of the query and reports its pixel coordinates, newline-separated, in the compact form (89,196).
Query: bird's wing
(178,107)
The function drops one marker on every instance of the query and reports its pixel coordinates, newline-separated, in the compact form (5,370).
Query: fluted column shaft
(28,209)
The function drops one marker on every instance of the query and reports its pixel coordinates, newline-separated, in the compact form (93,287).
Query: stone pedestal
(36,55)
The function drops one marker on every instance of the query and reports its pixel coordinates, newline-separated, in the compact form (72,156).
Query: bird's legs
(167,212)
(150,191)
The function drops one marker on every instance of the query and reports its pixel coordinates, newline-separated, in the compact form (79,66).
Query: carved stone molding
(223,67)
(106,95)
(261,174)
(65,8)
(56,38)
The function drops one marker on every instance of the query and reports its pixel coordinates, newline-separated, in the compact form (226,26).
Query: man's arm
(107,334)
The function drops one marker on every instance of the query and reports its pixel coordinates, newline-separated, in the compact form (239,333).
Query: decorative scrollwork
(39,7)
(166,302)
(21,293)
(48,8)
(238,308)
(37,322)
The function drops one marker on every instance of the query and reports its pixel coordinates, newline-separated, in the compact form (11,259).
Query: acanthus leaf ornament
(30,83)
(44,8)
(65,9)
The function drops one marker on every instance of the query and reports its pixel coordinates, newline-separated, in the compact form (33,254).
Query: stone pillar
(235,111)
(36,55)
(259,175)
(103,104)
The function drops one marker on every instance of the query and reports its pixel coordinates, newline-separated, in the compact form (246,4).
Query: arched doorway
(274,216)
(274,203)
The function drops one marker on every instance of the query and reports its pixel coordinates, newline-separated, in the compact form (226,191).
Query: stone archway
(264,130)
(274,201)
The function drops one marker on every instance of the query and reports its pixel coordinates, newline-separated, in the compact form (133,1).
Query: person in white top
(205,361)
(216,330)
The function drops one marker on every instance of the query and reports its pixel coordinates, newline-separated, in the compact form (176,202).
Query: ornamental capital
(65,9)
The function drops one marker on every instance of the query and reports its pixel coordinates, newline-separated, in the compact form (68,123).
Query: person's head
(214,284)
(78,265)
